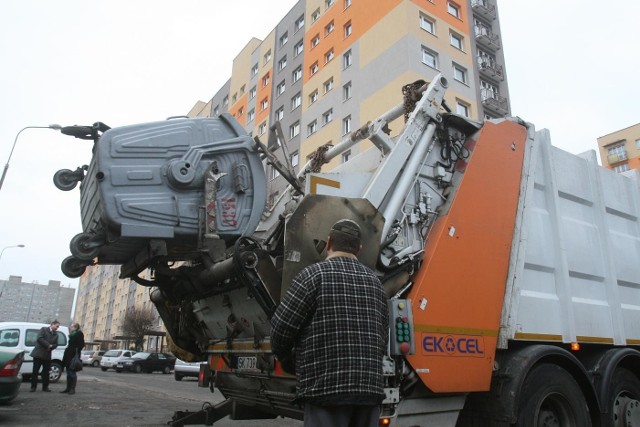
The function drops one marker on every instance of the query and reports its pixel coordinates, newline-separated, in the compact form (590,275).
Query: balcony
(617,157)
(490,68)
(494,102)
(487,38)
(484,8)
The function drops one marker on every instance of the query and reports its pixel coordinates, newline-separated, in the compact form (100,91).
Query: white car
(91,357)
(186,369)
(23,335)
(113,357)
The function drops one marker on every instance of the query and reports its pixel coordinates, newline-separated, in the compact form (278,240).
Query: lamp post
(6,167)
(7,247)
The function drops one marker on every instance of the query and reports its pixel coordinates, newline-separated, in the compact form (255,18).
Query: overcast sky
(572,67)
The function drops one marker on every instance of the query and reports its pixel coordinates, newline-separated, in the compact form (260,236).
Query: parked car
(91,357)
(146,362)
(23,336)
(186,369)
(10,378)
(111,358)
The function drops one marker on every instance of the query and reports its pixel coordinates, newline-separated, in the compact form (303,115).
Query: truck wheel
(551,397)
(83,247)
(55,372)
(623,400)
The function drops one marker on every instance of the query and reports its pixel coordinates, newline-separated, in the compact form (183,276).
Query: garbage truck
(511,267)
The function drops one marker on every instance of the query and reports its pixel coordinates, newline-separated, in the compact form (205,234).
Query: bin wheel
(73,267)
(84,246)
(65,180)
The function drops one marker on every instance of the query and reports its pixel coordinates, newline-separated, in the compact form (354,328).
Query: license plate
(246,362)
(119,366)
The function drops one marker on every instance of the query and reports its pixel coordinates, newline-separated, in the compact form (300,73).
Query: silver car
(91,357)
(112,357)
(186,369)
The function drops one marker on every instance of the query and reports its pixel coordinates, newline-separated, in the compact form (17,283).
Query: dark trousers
(341,416)
(46,367)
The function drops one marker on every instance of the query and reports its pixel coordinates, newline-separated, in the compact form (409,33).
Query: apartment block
(103,301)
(330,66)
(32,302)
(620,150)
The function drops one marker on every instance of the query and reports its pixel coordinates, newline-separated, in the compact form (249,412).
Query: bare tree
(136,324)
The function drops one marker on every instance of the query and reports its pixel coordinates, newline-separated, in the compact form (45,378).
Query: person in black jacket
(47,342)
(76,344)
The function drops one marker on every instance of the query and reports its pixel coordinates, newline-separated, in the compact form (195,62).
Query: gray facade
(31,302)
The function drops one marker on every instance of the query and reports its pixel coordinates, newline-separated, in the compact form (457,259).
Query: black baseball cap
(347,226)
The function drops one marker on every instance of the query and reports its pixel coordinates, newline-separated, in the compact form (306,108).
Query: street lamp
(6,167)
(7,247)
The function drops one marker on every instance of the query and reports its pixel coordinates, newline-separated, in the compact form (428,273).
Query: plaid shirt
(334,318)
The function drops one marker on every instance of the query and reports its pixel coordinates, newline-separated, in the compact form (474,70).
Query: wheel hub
(631,414)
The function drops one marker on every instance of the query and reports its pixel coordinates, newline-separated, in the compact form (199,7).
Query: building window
(295,159)
(274,173)
(265,80)
(251,115)
(427,24)
(313,97)
(264,104)
(462,108)
(294,130)
(312,127)
(298,48)
(299,23)
(254,70)
(347,29)
(295,101)
(328,85)
(253,92)
(638,144)
(284,39)
(297,74)
(328,56)
(346,91)
(262,128)
(327,117)
(617,154)
(216,110)
(225,100)
(347,3)
(267,57)
(453,9)
(315,15)
(346,156)
(346,125)
(234,98)
(456,41)
(315,41)
(329,28)
(429,57)
(280,88)
(347,59)
(282,63)
(621,168)
(329,3)
(314,68)
(280,113)
(459,73)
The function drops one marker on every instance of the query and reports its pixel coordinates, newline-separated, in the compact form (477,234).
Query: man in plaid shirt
(333,322)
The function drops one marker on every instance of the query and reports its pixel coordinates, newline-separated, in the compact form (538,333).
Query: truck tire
(623,402)
(551,397)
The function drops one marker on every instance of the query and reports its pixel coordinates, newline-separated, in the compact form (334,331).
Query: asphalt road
(113,399)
